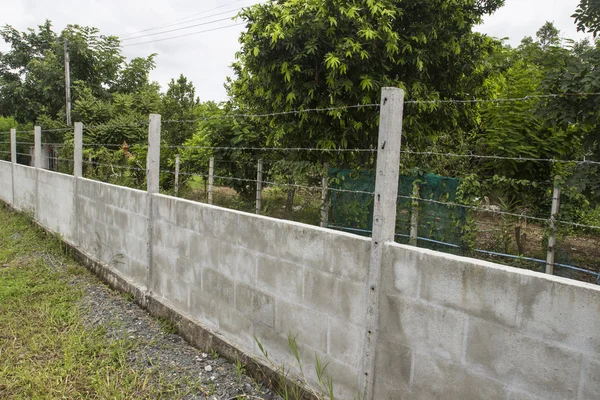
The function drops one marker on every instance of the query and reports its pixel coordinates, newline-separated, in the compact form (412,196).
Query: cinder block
(171,237)
(523,396)
(237,263)
(335,297)
(399,272)
(136,248)
(139,272)
(345,378)
(422,327)
(345,341)
(384,390)
(189,215)
(260,234)
(187,271)
(203,307)
(204,250)
(392,369)
(535,366)
(173,290)
(237,326)
(219,223)
(308,325)
(137,201)
(280,278)
(138,226)
(275,343)
(590,388)
(307,246)
(121,218)
(164,208)
(351,257)
(553,307)
(478,288)
(254,304)
(218,286)
(439,379)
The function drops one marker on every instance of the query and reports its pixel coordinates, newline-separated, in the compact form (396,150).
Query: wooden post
(325,196)
(414,216)
(211,179)
(552,238)
(153,185)
(384,220)
(176,175)
(259,185)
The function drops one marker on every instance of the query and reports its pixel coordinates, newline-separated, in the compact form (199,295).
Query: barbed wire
(502,100)
(57,130)
(308,149)
(492,157)
(274,114)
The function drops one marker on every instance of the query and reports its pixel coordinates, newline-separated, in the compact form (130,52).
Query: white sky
(205,57)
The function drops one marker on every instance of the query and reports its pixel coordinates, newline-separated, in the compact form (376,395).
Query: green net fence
(439,225)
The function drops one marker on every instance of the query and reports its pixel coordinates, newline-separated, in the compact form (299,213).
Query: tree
(548,35)
(304,54)
(587,16)
(32,80)
(179,104)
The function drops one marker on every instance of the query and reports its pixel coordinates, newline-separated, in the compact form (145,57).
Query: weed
(214,354)
(239,368)
(168,326)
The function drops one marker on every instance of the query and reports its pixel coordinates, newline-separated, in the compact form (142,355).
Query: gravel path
(198,374)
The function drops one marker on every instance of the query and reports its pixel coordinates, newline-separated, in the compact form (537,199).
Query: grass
(46,351)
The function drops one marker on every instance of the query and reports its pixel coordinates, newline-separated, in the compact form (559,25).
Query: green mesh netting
(353,212)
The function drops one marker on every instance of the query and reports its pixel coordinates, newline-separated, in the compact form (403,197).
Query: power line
(182,20)
(179,29)
(180,36)
(179,23)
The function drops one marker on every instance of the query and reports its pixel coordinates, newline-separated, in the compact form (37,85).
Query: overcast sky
(205,57)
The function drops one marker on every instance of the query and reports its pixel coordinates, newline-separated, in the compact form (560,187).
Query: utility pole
(67,83)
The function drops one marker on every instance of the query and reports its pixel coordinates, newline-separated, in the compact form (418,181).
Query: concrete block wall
(450,327)
(246,275)
(112,227)
(56,209)
(458,328)
(6,181)
(25,188)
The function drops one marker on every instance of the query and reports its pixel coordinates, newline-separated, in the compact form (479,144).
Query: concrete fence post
(325,196)
(37,163)
(552,237)
(211,179)
(77,174)
(259,185)
(13,160)
(384,220)
(176,175)
(414,216)
(153,184)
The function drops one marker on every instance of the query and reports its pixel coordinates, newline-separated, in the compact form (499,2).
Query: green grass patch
(46,351)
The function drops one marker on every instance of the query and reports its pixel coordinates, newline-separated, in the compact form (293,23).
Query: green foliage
(319,54)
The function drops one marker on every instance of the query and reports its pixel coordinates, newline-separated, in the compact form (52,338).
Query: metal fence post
(259,183)
(211,179)
(384,219)
(552,238)
(153,184)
